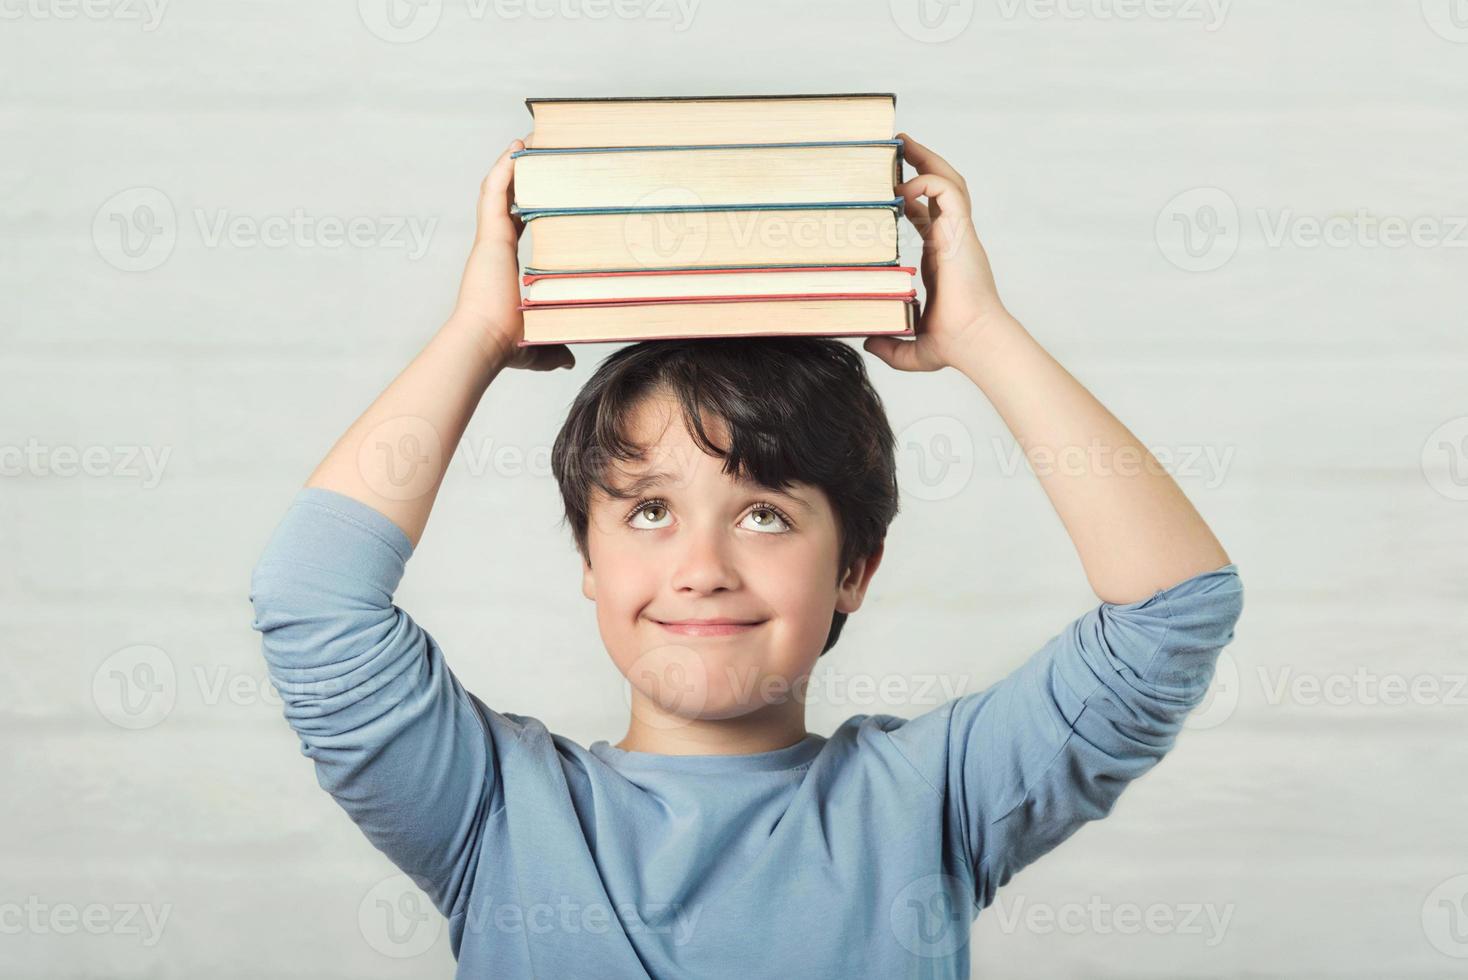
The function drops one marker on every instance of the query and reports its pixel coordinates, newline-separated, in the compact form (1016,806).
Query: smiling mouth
(709,627)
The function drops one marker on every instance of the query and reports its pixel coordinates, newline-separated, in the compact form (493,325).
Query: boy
(719,838)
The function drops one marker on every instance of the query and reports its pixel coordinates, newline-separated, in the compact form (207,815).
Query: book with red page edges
(689,285)
(680,318)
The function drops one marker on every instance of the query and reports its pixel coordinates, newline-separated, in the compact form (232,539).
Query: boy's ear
(588,580)
(853,585)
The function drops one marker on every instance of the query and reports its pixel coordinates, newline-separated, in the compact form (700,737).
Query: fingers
(935,187)
(548,357)
(902,355)
(495,198)
(925,161)
(917,213)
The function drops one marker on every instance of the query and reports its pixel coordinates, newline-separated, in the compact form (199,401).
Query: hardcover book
(710,120)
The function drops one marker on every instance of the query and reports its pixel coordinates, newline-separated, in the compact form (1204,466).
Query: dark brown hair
(797,409)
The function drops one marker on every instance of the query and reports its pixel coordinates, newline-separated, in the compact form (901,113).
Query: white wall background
(1315,806)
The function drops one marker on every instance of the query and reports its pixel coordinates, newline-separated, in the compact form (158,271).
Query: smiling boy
(729,500)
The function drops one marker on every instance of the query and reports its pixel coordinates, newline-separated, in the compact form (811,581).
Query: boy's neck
(655,731)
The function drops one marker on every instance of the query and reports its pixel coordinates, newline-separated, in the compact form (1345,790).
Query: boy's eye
(767,519)
(651,507)
(653,514)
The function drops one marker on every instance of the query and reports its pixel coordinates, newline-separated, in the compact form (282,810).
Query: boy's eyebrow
(657,478)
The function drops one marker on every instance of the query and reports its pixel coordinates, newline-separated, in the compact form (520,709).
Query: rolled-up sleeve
(395,739)
(1024,763)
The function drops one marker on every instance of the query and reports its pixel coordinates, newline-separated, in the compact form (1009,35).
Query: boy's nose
(705,564)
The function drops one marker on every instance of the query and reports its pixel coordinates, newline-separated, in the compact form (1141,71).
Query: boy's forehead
(658,420)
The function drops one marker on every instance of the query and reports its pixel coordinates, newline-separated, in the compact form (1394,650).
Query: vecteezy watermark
(301,229)
(1099,917)
(565,915)
(406,21)
(137,229)
(397,919)
(139,687)
(1447,18)
(1445,917)
(936,21)
(1200,230)
(35,458)
(672,677)
(1209,14)
(1362,687)
(1222,697)
(1205,462)
(684,686)
(671,227)
(147,13)
(135,687)
(1445,459)
(401,458)
(932,916)
(39,918)
(932,21)
(935,458)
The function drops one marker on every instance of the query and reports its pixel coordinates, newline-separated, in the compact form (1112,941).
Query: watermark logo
(40,918)
(1447,18)
(401,458)
(935,458)
(400,21)
(407,21)
(673,677)
(1209,13)
(1445,917)
(1445,459)
(148,13)
(136,229)
(932,21)
(135,687)
(1209,463)
(931,917)
(35,458)
(1100,917)
(1198,230)
(397,919)
(663,239)
(1221,700)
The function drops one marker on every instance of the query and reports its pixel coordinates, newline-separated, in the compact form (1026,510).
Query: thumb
(901,355)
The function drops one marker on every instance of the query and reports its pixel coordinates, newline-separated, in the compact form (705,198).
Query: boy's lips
(719,626)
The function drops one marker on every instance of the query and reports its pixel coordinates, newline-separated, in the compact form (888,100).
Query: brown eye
(768,519)
(652,510)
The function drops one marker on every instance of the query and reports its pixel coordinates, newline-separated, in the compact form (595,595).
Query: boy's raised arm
(393,458)
(407,752)
(1024,763)
(1132,526)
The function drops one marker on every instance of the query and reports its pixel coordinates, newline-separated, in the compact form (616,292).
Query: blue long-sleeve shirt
(864,854)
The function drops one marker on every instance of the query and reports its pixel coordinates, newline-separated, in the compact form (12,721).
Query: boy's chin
(706,683)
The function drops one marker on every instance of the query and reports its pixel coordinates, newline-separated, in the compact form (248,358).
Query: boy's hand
(489,295)
(962,298)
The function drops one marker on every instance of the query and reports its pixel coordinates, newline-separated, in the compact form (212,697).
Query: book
(711,120)
(651,239)
(819,316)
(707,176)
(891,282)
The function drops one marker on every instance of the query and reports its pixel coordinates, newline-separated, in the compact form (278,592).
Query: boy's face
(700,545)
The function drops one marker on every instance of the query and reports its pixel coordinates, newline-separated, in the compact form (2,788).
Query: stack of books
(656,218)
